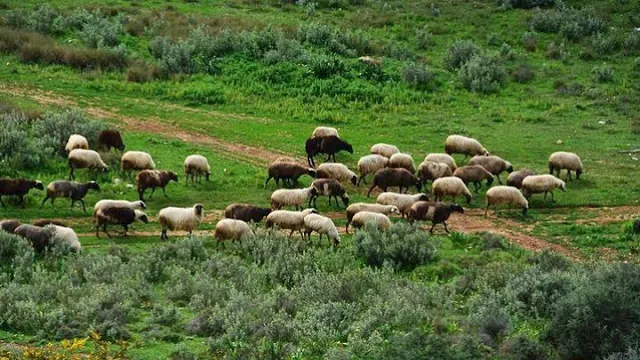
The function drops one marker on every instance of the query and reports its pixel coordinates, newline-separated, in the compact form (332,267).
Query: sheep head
(38,185)
(578,173)
(92,185)
(456,208)
(354,179)
(198,209)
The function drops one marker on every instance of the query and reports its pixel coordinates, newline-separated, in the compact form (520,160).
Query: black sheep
(437,212)
(329,145)
(117,215)
(402,178)
(289,172)
(246,212)
(18,187)
(108,139)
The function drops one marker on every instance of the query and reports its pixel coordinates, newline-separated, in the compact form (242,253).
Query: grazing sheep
(474,174)
(430,170)
(85,159)
(369,164)
(493,164)
(516,177)
(288,220)
(110,138)
(9,225)
(376,208)
(381,221)
(537,184)
(402,178)
(336,171)
(402,201)
(437,212)
(324,131)
(450,186)
(290,197)
(231,229)
(401,160)
(246,212)
(153,179)
(313,147)
(458,144)
(444,159)
(562,160)
(195,166)
(174,219)
(45,222)
(289,172)
(506,195)
(117,215)
(135,161)
(385,150)
(328,145)
(323,226)
(69,189)
(62,235)
(18,187)
(39,237)
(138,204)
(330,188)
(76,142)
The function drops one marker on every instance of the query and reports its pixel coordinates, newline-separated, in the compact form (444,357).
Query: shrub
(602,74)
(529,41)
(572,23)
(523,73)
(460,53)
(604,44)
(141,73)
(632,43)
(528,4)
(424,38)
(523,348)
(557,51)
(324,66)
(99,31)
(44,19)
(482,74)
(546,21)
(54,129)
(417,76)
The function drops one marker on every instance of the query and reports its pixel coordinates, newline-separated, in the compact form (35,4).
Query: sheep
(430,170)
(288,171)
(18,187)
(138,204)
(506,195)
(231,229)
(288,220)
(565,160)
(195,166)
(458,144)
(323,226)
(39,237)
(402,178)
(402,201)
(474,174)
(45,222)
(174,218)
(353,209)
(136,160)
(330,188)
(323,131)
(152,179)
(536,184)
(369,164)
(329,145)
(437,212)
(290,197)
(117,215)
(69,189)
(246,212)
(385,150)
(381,221)
(76,142)
(110,138)
(401,160)
(516,177)
(85,159)
(336,171)
(442,158)
(62,235)
(450,186)
(493,164)
(9,225)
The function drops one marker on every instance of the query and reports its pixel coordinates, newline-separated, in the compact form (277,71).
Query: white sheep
(369,164)
(174,219)
(450,186)
(195,166)
(323,226)
(537,184)
(85,159)
(507,195)
(563,160)
(381,221)
(385,150)
(402,160)
(377,208)
(288,220)
(105,203)
(336,171)
(76,142)
(231,229)
(402,201)
(323,131)
(64,235)
(290,197)
(493,164)
(431,170)
(442,158)
(458,144)
(136,160)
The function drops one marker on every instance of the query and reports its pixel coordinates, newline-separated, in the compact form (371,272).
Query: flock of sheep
(389,167)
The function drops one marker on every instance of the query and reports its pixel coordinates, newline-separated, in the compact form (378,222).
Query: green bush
(529,41)
(460,53)
(418,76)
(324,66)
(523,348)
(572,23)
(99,31)
(528,4)
(523,73)
(424,38)
(55,128)
(632,43)
(482,74)
(602,74)
(604,44)
(557,51)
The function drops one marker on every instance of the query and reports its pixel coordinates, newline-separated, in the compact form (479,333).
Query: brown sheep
(437,212)
(118,215)
(45,222)
(402,178)
(40,238)
(515,178)
(9,225)
(330,188)
(69,189)
(288,172)
(246,212)
(153,179)
(110,138)
(18,187)
(474,174)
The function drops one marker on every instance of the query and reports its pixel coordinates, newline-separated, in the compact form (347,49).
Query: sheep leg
(267,181)
(445,226)
(552,199)
(71,176)
(22,201)
(499,181)
(152,191)
(163,236)
(475,184)
(72,202)
(2,202)
(486,209)
(84,208)
(43,201)
(362,178)
(97,227)
(568,175)
(164,192)
(464,158)
(291,233)
(371,189)
(104,228)
(302,235)
(141,195)
(545,196)
(432,226)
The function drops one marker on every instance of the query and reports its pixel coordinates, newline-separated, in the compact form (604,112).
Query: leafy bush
(573,24)
(602,74)
(417,76)
(424,38)
(55,128)
(324,66)
(523,348)
(141,73)
(460,53)
(528,4)
(529,41)
(632,43)
(482,74)
(604,44)
(557,51)
(523,73)
(99,31)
